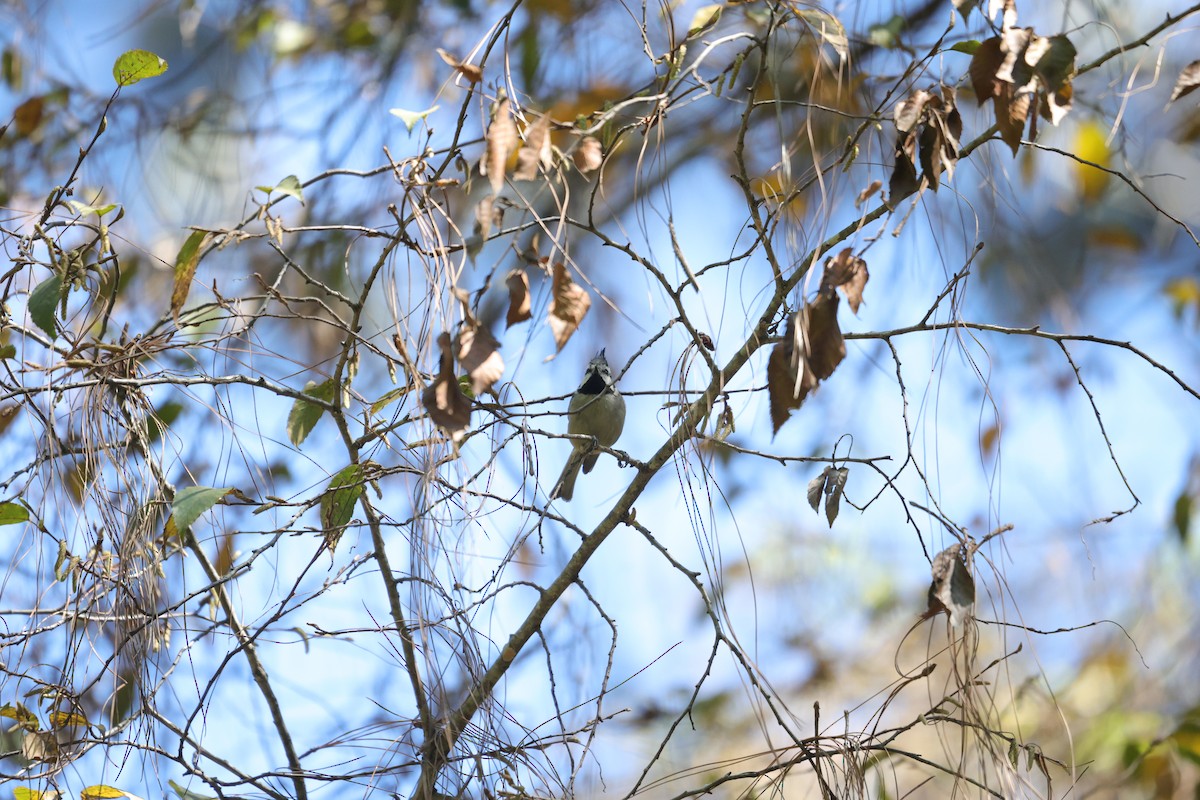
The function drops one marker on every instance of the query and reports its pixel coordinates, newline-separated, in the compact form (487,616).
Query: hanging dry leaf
(867,193)
(848,273)
(1187,82)
(785,389)
(487,216)
(835,484)
(535,152)
(952,589)
(589,155)
(929,128)
(568,307)
(518,297)
(479,355)
(501,139)
(447,406)
(824,348)
(1019,72)
(469,71)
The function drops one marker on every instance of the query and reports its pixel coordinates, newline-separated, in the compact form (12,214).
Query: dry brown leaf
(487,215)
(518,297)
(810,351)
(469,71)
(867,193)
(908,111)
(28,116)
(568,307)
(1187,82)
(785,390)
(984,64)
(846,272)
(501,139)
(443,399)
(589,155)
(823,345)
(479,355)
(535,152)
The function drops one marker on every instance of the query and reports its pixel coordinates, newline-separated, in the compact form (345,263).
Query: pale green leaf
(193,501)
(304,415)
(184,794)
(82,209)
(137,65)
(291,187)
(13,513)
(411,118)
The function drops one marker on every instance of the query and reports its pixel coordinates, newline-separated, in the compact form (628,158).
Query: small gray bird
(597,410)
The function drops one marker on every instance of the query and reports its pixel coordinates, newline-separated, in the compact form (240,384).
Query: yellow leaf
(1091,145)
(101,792)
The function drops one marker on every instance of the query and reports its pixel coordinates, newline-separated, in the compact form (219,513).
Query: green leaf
(13,513)
(969,47)
(43,301)
(291,187)
(137,65)
(887,35)
(193,501)
(304,415)
(185,270)
(184,794)
(337,504)
(83,209)
(411,118)
(389,398)
(1183,515)
(8,351)
(162,418)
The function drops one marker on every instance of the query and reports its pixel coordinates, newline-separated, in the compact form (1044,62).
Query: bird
(596,410)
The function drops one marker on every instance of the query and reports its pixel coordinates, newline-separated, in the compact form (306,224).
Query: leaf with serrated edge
(137,65)
(193,501)
(338,501)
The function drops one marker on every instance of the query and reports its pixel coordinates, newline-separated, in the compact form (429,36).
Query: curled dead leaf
(443,399)
(867,193)
(469,71)
(568,307)
(536,151)
(1187,82)
(785,391)
(479,355)
(810,351)
(501,139)
(848,273)
(518,297)
(952,589)
(589,155)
